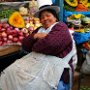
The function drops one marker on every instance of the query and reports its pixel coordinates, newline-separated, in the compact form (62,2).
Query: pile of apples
(10,35)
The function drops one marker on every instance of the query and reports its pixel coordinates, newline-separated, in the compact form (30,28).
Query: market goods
(69,8)
(80,30)
(23,11)
(5,13)
(16,20)
(72,3)
(80,7)
(83,1)
(10,35)
(86,45)
(87,5)
(75,16)
(86,20)
(37,23)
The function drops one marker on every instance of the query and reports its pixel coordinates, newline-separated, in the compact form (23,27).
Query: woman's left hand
(40,35)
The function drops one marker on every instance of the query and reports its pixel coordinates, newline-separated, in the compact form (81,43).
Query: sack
(86,65)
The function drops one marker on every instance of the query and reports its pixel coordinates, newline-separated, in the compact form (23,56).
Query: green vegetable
(69,8)
(6,13)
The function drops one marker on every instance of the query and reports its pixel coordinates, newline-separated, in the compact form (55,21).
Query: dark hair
(51,11)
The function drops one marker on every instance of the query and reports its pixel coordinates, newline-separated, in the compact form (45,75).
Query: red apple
(6,25)
(15,39)
(1,42)
(3,29)
(4,34)
(5,38)
(4,43)
(20,33)
(21,38)
(9,41)
(10,37)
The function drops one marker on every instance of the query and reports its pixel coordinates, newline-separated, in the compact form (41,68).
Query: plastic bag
(86,65)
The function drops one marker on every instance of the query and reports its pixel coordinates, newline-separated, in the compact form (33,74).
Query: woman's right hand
(40,35)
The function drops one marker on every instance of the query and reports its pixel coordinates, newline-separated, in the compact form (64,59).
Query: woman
(52,42)
(53,38)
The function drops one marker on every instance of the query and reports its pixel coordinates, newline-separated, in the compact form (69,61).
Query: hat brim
(56,8)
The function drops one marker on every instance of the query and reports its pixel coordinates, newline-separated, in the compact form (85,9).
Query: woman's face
(47,19)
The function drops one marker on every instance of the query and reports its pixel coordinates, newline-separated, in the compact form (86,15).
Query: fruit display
(83,1)
(9,34)
(32,23)
(87,45)
(16,24)
(81,7)
(14,35)
(77,5)
(72,3)
(81,19)
(16,20)
(23,11)
(6,13)
(33,7)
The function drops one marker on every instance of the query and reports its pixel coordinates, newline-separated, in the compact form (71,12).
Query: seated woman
(46,66)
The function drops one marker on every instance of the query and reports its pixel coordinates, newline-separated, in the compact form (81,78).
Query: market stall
(77,17)
(76,14)
(16,23)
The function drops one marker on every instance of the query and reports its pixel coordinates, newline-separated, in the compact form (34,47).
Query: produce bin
(5,50)
(11,52)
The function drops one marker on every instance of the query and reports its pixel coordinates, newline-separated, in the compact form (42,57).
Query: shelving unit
(60,3)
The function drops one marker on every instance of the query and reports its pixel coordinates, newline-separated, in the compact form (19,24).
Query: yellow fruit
(77,16)
(73,3)
(83,1)
(16,20)
(87,5)
(80,30)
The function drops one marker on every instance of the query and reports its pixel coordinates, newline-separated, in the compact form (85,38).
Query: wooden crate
(5,50)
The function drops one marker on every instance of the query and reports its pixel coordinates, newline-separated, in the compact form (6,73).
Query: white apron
(34,71)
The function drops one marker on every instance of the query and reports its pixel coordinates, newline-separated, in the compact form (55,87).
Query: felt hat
(46,4)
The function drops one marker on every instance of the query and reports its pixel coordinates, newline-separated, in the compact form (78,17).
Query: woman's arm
(55,42)
(28,42)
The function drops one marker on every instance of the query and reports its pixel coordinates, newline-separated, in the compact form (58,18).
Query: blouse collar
(43,30)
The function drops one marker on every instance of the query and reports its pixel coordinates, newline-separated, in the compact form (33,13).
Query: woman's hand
(40,35)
